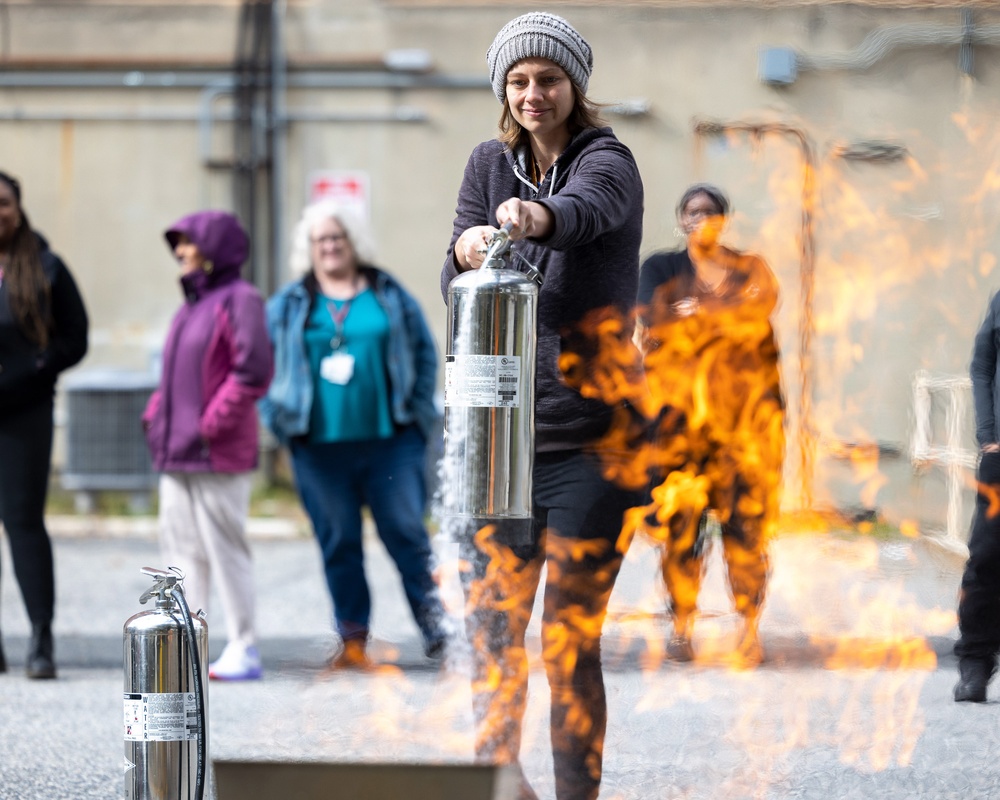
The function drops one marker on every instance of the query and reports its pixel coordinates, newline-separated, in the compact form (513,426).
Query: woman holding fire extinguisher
(572,195)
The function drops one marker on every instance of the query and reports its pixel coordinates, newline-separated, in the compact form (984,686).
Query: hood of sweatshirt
(221,240)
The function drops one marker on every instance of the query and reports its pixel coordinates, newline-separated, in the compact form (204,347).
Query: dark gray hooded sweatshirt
(591,260)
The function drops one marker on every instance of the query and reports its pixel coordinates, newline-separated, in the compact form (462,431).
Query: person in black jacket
(573,196)
(712,367)
(43,330)
(979,606)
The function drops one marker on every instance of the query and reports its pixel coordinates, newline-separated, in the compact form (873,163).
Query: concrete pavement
(853,702)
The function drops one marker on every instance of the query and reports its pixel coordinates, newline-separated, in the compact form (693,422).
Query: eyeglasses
(700,213)
(330,238)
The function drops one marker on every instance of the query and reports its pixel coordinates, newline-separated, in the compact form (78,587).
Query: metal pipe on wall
(87,78)
(278,128)
(782,65)
(403,114)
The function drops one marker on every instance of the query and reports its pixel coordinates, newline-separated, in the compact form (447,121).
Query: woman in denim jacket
(353,399)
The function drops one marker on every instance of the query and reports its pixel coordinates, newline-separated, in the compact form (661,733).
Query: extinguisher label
(161,717)
(482,381)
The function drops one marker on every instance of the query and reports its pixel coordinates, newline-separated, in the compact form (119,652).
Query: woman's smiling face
(540,95)
(330,249)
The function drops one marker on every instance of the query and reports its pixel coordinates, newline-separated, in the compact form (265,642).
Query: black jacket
(590,262)
(703,327)
(985,377)
(27,373)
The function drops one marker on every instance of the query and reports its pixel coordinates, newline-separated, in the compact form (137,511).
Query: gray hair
(354,225)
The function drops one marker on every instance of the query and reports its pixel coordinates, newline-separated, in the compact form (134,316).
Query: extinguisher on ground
(166,725)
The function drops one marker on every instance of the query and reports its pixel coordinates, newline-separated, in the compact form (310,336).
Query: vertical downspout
(965,51)
(279,145)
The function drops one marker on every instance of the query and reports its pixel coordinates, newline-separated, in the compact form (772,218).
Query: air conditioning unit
(105,446)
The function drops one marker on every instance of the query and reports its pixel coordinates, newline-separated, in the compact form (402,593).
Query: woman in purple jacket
(573,195)
(201,426)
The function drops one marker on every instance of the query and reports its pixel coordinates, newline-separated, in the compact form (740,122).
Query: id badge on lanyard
(338,367)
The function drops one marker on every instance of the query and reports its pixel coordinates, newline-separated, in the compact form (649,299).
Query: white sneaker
(238,662)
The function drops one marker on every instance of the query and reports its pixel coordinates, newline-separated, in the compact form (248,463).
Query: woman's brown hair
(28,291)
(585,114)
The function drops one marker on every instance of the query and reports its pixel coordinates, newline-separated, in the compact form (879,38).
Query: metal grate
(105,446)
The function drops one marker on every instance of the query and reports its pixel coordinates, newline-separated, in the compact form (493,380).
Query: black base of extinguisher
(504,531)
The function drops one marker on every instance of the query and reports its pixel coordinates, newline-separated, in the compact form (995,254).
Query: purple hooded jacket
(217,360)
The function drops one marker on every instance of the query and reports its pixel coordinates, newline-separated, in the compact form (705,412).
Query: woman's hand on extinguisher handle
(471,246)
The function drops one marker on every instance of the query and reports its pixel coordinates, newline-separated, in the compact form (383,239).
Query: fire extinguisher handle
(153,572)
(498,245)
(165,580)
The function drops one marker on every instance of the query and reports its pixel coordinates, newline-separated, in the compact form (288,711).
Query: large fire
(696,415)
(704,392)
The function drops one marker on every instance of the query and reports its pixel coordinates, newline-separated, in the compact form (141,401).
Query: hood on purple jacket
(222,241)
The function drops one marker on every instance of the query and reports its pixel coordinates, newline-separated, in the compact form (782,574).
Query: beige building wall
(891,157)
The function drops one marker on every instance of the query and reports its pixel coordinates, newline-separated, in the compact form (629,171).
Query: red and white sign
(348,187)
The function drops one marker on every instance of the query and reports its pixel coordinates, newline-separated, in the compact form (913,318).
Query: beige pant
(203,531)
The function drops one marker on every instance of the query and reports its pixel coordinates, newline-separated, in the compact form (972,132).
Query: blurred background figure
(713,367)
(979,606)
(353,398)
(43,330)
(573,195)
(201,426)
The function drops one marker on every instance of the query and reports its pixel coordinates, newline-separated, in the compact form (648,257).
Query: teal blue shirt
(358,408)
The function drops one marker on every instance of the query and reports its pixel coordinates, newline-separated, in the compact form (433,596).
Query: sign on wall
(349,187)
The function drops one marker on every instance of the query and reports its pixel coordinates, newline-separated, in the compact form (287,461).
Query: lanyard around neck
(339,318)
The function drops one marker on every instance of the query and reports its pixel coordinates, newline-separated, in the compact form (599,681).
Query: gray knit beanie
(539,35)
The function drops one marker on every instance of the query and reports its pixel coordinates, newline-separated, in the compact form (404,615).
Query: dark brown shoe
(353,655)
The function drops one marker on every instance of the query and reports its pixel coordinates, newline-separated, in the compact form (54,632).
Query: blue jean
(335,481)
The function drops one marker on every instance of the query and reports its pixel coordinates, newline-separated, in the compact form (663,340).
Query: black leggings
(25,457)
(578,518)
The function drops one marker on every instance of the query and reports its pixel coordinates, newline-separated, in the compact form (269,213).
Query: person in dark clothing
(43,330)
(979,604)
(573,196)
(712,368)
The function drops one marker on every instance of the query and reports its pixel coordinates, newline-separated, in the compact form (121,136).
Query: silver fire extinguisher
(166,742)
(489,398)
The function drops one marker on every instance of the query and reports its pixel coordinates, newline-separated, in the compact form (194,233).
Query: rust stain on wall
(66,135)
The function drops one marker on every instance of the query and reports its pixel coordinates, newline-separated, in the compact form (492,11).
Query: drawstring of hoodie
(526,180)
